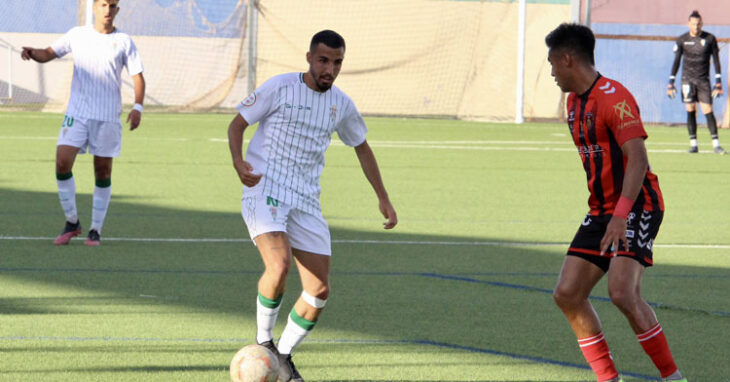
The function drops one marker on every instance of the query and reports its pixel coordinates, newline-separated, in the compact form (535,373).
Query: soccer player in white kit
(297,115)
(92,117)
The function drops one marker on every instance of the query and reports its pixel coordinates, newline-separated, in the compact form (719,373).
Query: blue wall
(38,16)
(644,67)
(189,18)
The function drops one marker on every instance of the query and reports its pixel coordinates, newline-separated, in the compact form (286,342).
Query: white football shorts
(100,138)
(306,232)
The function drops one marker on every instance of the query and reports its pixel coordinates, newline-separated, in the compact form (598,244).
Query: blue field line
(527,358)
(452,277)
(470,349)
(550,291)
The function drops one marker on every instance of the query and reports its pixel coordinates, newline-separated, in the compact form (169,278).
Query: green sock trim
(103,183)
(269,303)
(64,176)
(302,322)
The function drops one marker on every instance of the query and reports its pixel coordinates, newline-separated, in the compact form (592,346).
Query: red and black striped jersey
(600,121)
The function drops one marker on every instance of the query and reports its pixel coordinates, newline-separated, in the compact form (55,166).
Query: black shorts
(641,230)
(698,90)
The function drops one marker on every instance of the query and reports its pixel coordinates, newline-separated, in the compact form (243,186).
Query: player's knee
(566,298)
(101,173)
(278,269)
(317,300)
(63,165)
(624,298)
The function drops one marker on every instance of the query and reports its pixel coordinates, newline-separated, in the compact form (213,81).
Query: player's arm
(38,55)
(671,89)
(717,90)
(235,144)
(135,115)
(636,166)
(372,173)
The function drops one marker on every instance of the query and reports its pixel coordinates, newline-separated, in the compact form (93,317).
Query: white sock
(265,321)
(293,334)
(693,142)
(716,142)
(67,196)
(100,205)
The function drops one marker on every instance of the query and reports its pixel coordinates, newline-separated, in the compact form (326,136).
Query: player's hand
(134,118)
(615,234)
(26,53)
(386,208)
(245,173)
(717,91)
(671,91)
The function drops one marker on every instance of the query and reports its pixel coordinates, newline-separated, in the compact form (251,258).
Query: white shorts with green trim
(306,232)
(100,138)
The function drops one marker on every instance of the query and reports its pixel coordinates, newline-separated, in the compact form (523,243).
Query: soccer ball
(254,363)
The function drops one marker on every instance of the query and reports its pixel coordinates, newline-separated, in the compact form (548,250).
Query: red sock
(655,345)
(595,350)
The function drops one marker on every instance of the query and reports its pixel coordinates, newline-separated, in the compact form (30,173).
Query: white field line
(361,241)
(482,145)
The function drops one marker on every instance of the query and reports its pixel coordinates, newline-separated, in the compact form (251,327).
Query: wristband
(138,107)
(623,207)
(718,78)
(671,80)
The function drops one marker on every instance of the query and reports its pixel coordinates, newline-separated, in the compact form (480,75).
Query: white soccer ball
(254,363)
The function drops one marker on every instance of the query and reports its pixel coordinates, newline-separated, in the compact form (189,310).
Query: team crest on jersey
(249,101)
(590,120)
(333,113)
(702,42)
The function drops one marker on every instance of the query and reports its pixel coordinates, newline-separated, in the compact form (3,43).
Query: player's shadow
(452,300)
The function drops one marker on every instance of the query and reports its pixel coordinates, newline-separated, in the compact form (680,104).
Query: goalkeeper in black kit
(697,46)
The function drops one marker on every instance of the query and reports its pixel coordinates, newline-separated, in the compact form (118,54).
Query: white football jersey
(296,125)
(96,87)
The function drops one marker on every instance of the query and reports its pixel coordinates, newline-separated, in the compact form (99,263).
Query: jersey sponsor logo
(689,43)
(623,110)
(607,88)
(333,113)
(249,101)
(590,149)
(298,107)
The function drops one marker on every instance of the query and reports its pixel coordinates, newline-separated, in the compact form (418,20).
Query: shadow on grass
(380,290)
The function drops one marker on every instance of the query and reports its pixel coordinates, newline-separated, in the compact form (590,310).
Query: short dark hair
(574,37)
(695,14)
(328,37)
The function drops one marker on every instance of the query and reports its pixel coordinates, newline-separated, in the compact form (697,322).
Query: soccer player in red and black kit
(697,46)
(626,206)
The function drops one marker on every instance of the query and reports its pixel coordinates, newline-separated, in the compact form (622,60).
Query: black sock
(692,124)
(711,124)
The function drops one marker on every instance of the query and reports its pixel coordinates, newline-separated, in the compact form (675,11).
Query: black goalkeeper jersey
(697,51)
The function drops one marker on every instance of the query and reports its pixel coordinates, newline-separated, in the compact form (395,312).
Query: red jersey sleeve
(621,115)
